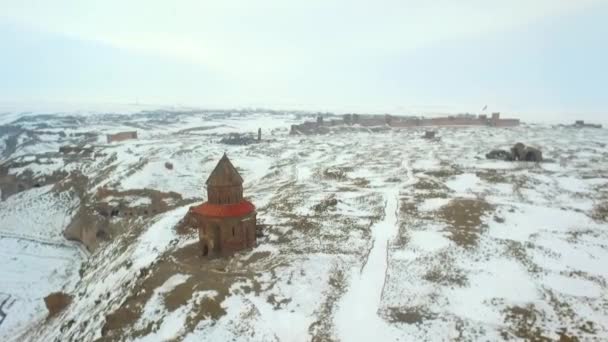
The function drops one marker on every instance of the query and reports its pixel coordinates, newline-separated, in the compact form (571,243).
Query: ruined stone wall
(405,123)
(11,184)
(374,121)
(121,136)
(75,149)
(454,121)
(506,123)
(393,121)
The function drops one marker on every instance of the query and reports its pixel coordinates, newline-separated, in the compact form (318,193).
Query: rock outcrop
(500,155)
(519,152)
(526,153)
(56,302)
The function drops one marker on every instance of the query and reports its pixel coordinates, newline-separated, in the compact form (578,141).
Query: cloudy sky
(540,56)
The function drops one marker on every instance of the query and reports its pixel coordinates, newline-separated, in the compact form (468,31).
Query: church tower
(226,222)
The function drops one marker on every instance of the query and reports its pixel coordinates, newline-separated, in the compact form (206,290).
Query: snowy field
(426,239)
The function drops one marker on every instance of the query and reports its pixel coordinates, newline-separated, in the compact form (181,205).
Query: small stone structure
(239,139)
(582,124)
(226,223)
(75,149)
(429,134)
(121,136)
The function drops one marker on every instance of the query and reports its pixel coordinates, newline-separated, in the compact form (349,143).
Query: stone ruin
(75,150)
(582,124)
(430,134)
(94,220)
(372,122)
(11,184)
(121,136)
(242,139)
(519,152)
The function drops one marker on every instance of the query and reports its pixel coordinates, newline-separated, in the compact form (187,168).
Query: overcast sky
(520,56)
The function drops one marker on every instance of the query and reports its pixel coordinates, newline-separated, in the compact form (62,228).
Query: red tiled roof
(224,210)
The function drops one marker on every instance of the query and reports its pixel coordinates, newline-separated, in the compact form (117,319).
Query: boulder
(533,154)
(500,155)
(169,166)
(526,153)
(56,302)
(518,151)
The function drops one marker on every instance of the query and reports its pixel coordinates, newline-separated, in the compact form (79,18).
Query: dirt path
(357,316)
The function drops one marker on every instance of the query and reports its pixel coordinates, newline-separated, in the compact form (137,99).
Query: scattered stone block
(429,134)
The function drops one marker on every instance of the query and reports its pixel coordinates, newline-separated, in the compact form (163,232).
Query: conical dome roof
(224,174)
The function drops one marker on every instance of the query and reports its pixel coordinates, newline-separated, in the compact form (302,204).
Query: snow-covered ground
(427,240)
(36,259)
(356,318)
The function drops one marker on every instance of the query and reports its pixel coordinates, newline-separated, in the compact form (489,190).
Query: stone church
(226,223)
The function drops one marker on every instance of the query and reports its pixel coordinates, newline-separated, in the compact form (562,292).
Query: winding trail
(357,317)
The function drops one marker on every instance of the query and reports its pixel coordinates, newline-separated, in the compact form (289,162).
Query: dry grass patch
(204,275)
(518,250)
(429,185)
(600,212)
(444,173)
(443,271)
(413,315)
(493,176)
(322,329)
(464,218)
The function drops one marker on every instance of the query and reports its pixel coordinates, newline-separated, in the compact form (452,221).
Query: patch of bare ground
(575,326)
(599,280)
(494,176)
(323,328)
(408,206)
(521,182)
(360,182)
(313,235)
(519,251)
(429,184)
(337,174)
(522,324)
(445,172)
(441,269)
(216,275)
(600,212)
(578,236)
(411,315)
(525,322)
(464,219)
(328,203)
(286,198)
